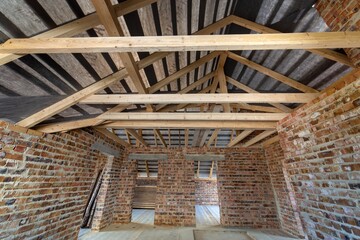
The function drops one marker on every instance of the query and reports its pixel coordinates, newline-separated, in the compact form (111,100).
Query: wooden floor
(207,228)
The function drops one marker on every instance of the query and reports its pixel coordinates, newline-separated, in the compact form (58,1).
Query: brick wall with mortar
(288,212)
(245,194)
(206,192)
(342,16)
(45,181)
(321,143)
(124,200)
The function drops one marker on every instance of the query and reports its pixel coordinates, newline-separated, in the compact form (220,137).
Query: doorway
(207,210)
(143,208)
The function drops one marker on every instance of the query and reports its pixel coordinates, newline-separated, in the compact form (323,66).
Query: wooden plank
(129,124)
(182,72)
(147,156)
(188,116)
(258,138)
(112,136)
(271,141)
(277,76)
(257,108)
(329,54)
(162,140)
(240,137)
(198,170)
(312,40)
(213,137)
(71,100)
(222,79)
(136,136)
(81,25)
(199,98)
(250,90)
(204,157)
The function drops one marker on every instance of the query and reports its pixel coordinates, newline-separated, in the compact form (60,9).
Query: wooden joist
(205,116)
(213,137)
(310,40)
(271,141)
(139,138)
(288,81)
(199,98)
(129,124)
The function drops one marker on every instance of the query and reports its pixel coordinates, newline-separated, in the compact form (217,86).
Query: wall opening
(207,209)
(143,207)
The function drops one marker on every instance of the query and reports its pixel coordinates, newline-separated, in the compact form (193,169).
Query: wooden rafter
(329,54)
(147,168)
(240,137)
(288,81)
(81,25)
(271,140)
(198,170)
(213,137)
(200,98)
(158,134)
(112,136)
(250,90)
(312,40)
(211,169)
(139,138)
(258,138)
(262,125)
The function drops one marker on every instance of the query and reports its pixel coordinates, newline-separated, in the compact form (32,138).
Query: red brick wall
(284,194)
(245,192)
(321,147)
(45,181)
(206,192)
(124,200)
(342,15)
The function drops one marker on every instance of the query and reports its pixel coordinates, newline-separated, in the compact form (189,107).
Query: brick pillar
(342,15)
(126,185)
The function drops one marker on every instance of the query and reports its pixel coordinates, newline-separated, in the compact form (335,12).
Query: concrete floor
(207,227)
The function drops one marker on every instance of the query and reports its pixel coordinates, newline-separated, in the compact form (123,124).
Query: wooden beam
(81,25)
(277,76)
(157,86)
(162,140)
(191,124)
(311,40)
(72,99)
(108,18)
(213,137)
(211,169)
(186,137)
(271,141)
(147,168)
(112,136)
(169,135)
(189,116)
(200,98)
(240,137)
(257,108)
(137,141)
(329,54)
(198,170)
(258,138)
(250,90)
(222,79)
(136,136)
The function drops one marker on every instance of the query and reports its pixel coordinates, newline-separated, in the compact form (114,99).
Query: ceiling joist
(310,40)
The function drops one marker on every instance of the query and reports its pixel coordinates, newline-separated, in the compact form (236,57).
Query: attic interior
(187,119)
